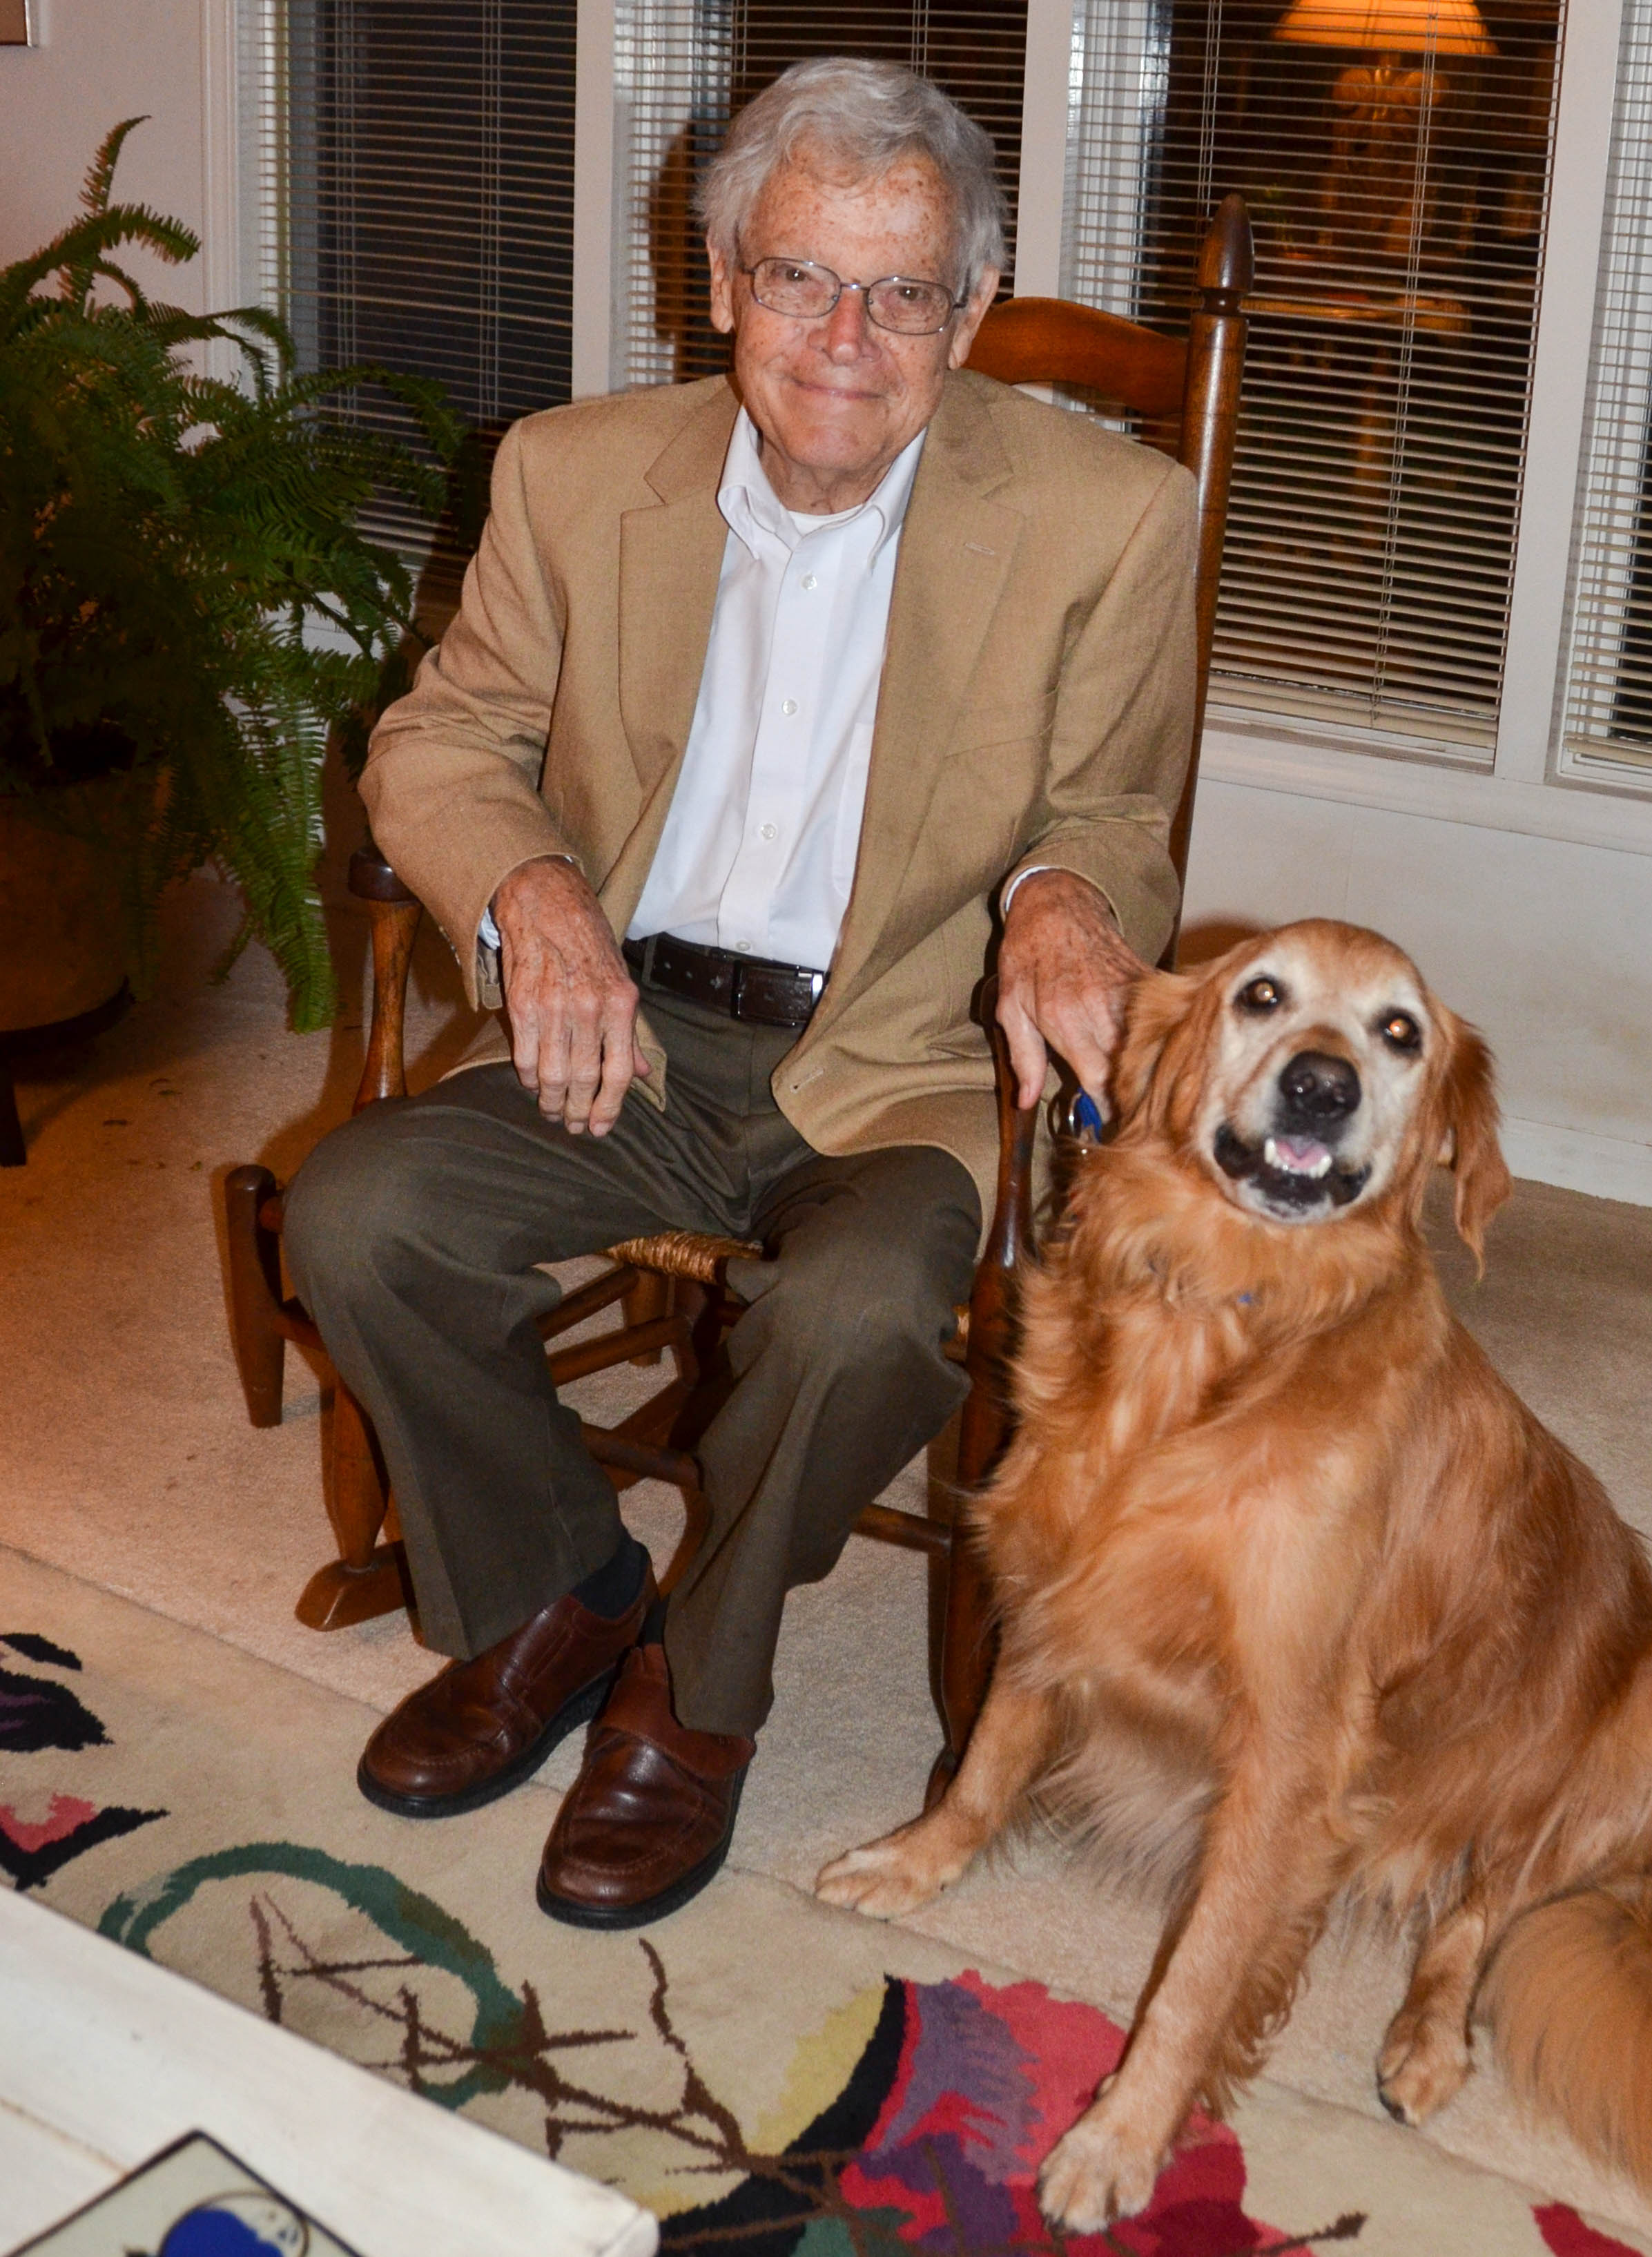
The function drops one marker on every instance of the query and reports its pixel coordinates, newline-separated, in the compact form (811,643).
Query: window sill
(1583,815)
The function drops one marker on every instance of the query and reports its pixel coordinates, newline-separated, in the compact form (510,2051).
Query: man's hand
(1064,976)
(572,1003)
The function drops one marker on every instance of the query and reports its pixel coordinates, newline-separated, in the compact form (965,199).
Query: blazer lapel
(670,556)
(956,550)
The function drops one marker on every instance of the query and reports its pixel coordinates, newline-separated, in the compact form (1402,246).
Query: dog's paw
(1422,2066)
(888,1877)
(1094,2175)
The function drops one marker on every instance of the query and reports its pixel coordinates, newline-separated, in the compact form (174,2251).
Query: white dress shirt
(758,853)
(759,849)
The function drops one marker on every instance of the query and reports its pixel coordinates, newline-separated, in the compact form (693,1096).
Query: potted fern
(188,609)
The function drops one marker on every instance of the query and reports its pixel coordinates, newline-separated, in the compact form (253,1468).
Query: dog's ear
(1467,1131)
(1159,1004)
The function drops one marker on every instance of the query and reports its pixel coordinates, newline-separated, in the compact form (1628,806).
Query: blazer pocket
(1012,721)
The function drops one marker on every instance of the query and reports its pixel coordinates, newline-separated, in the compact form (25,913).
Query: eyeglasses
(808,292)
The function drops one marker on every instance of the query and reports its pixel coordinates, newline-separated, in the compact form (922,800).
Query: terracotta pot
(61,947)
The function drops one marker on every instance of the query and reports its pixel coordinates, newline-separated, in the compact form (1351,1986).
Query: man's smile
(848,393)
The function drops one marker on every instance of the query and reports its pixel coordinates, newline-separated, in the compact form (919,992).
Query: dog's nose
(1318,1087)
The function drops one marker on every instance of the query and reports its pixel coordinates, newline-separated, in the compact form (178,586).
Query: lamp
(1446,27)
(1373,197)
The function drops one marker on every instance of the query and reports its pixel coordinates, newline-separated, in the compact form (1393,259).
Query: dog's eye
(1401,1032)
(1259,995)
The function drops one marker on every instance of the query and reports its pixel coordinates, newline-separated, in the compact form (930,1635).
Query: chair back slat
(1186,391)
(1047,341)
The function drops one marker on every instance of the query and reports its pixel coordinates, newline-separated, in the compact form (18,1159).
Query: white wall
(1546,944)
(103,60)
(1545,941)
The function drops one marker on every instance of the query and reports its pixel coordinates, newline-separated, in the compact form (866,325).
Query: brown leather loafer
(649,1819)
(483,1725)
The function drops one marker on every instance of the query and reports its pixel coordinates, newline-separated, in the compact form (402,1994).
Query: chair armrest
(394,915)
(1010,1234)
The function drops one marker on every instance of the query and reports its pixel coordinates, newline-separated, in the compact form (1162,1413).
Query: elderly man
(765,692)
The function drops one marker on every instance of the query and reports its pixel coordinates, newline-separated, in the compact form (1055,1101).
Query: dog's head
(1311,1073)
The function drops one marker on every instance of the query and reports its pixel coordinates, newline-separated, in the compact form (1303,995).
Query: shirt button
(810,583)
(788,706)
(768,831)
(743,947)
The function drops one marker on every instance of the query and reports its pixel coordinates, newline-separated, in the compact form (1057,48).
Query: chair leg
(360,1496)
(968,1641)
(647,1300)
(368,1578)
(255,1293)
(696,1518)
(967,1649)
(14,1153)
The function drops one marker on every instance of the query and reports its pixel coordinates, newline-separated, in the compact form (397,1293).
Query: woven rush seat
(686,1254)
(689,1254)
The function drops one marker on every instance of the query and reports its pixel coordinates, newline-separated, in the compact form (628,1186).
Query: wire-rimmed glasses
(808,292)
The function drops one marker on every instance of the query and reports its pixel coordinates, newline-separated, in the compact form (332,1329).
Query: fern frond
(95,191)
(75,254)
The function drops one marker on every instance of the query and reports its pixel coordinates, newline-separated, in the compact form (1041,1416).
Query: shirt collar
(750,504)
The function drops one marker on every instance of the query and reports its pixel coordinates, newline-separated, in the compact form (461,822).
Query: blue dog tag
(1087,1120)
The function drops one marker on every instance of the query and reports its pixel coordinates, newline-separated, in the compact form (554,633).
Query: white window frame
(1529,749)
(1619,402)
(1531,786)
(600,169)
(230,257)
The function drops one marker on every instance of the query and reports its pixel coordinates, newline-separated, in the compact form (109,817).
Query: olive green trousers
(412,1234)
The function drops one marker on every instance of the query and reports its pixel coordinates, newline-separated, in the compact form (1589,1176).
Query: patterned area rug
(771,2078)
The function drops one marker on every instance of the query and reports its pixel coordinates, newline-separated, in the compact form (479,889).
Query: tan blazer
(1036,707)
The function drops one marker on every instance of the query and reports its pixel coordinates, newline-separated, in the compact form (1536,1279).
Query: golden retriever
(1273,1534)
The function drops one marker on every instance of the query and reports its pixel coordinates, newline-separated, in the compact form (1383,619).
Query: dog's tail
(1569,1998)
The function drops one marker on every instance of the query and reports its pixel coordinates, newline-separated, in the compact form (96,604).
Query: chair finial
(372,878)
(1227,261)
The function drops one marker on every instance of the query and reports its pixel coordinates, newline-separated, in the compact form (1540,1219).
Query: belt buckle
(737,995)
(736,990)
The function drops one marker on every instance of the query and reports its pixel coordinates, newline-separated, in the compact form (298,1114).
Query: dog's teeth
(1288,1161)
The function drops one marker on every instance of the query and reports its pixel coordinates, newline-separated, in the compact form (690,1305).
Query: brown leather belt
(717,978)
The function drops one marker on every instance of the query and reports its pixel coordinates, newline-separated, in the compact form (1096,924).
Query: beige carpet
(128,1462)
(761,2072)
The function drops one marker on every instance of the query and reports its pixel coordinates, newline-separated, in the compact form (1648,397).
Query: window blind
(1397,181)
(417,198)
(1608,703)
(684,67)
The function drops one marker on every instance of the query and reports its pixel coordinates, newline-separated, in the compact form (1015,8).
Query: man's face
(836,398)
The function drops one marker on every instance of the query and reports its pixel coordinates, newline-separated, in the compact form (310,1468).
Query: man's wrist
(1038,870)
(488,929)
(1055,870)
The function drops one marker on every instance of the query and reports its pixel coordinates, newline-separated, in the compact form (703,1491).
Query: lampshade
(1449,27)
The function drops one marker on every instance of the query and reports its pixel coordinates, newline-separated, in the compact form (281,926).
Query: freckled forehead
(903,215)
(1358,971)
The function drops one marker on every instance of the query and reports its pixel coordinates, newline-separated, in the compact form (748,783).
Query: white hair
(861,119)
